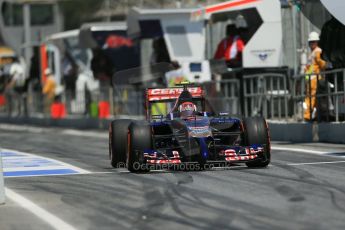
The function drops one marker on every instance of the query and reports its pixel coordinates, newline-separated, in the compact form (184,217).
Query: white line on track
(73,132)
(30,129)
(229,167)
(298,150)
(54,221)
(103,172)
(321,153)
(317,163)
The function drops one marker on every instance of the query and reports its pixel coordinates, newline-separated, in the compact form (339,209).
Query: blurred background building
(51,16)
(77,38)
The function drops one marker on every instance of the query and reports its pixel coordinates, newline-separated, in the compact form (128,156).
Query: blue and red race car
(187,135)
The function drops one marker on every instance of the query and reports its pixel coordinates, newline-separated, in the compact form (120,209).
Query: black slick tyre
(139,139)
(256,132)
(118,131)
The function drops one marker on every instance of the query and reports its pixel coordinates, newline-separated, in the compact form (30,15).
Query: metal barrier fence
(266,95)
(223,96)
(123,100)
(326,90)
(274,96)
(277,97)
(129,100)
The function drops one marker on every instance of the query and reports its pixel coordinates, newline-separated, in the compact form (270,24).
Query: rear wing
(171,94)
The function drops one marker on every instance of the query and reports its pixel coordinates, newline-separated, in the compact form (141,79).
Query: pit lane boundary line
(299,150)
(317,163)
(71,132)
(52,220)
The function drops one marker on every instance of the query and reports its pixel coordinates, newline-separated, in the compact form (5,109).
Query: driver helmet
(187,109)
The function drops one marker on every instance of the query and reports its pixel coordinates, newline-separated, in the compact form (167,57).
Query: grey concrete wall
(308,132)
(295,132)
(332,132)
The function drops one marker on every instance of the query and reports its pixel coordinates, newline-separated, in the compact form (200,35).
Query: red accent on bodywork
(164,161)
(154,159)
(171,93)
(229,153)
(251,154)
(241,158)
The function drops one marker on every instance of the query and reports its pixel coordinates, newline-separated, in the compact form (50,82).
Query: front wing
(237,154)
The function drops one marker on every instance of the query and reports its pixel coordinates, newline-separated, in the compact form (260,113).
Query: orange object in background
(57,110)
(2,100)
(103,109)
(44,62)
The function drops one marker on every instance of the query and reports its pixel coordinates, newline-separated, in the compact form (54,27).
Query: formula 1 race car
(187,135)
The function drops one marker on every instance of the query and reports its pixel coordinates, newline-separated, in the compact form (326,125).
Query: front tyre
(256,132)
(139,140)
(118,131)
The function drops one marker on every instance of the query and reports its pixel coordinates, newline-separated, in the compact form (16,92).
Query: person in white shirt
(15,87)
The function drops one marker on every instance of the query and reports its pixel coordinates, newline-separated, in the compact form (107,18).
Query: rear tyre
(118,131)
(139,140)
(256,132)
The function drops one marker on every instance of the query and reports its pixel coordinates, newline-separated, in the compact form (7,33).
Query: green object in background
(94,110)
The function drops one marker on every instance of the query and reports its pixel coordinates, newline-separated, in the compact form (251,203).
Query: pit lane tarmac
(302,189)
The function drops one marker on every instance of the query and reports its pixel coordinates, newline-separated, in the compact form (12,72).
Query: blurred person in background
(231,47)
(16,87)
(70,74)
(160,51)
(4,72)
(4,78)
(34,71)
(101,66)
(34,82)
(48,91)
(314,66)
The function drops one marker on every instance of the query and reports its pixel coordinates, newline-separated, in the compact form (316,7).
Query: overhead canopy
(184,30)
(63,35)
(137,15)
(328,16)
(184,37)
(315,11)
(86,38)
(336,8)
(320,11)
(263,38)
(236,5)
